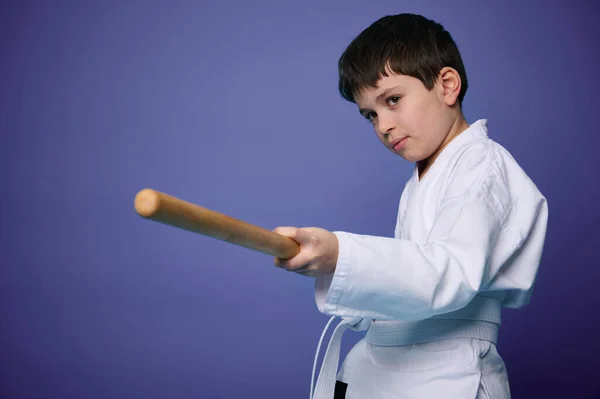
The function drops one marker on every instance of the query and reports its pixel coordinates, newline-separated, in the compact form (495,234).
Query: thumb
(287,231)
(295,233)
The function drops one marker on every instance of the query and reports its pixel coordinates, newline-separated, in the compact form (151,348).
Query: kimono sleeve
(396,279)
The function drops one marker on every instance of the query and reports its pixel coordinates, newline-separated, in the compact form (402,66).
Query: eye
(370,116)
(392,100)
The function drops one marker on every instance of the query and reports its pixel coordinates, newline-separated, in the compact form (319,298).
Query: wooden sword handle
(172,211)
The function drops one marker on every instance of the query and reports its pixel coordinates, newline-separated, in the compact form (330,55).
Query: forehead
(369,95)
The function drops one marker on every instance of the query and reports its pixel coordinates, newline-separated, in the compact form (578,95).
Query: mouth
(397,144)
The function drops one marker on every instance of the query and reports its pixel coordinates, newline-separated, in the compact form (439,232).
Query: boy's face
(410,120)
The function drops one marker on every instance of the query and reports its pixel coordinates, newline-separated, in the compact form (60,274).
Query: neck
(458,126)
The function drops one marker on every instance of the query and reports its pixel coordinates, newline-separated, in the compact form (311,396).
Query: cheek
(418,117)
(427,121)
(431,119)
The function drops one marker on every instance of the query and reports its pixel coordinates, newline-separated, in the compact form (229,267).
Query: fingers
(306,270)
(301,263)
(297,261)
(300,235)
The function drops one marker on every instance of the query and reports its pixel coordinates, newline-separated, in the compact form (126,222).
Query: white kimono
(468,241)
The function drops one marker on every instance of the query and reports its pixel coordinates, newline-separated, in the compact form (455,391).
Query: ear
(451,85)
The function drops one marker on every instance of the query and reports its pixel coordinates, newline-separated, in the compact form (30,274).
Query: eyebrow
(385,93)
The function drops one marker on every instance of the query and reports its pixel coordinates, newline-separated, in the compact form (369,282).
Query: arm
(483,238)
(488,235)
(387,278)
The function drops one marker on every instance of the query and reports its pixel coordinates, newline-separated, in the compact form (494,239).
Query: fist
(318,251)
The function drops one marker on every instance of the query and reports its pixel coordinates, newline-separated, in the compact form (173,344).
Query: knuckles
(291,232)
(306,262)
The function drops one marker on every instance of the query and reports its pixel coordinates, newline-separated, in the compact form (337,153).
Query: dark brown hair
(406,44)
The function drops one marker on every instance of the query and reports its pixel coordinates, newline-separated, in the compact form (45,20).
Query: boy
(468,239)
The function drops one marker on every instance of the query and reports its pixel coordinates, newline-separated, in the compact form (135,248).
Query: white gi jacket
(468,241)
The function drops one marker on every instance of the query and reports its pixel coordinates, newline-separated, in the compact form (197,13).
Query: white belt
(480,319)
(327,376)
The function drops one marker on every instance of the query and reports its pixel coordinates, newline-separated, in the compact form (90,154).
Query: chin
(409,157)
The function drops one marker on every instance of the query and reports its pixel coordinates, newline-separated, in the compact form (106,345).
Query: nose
(385,123)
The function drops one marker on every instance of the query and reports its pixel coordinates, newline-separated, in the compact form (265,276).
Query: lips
(396,144)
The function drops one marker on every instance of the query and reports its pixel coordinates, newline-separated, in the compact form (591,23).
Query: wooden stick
(172,211)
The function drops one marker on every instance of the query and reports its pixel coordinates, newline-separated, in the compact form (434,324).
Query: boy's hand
(318,251)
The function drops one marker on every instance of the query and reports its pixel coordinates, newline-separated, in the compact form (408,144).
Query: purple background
(233,105)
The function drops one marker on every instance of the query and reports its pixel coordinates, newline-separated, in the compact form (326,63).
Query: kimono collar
(475,132)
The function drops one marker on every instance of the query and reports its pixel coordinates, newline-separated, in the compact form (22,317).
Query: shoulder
(470,167)
(484,170)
